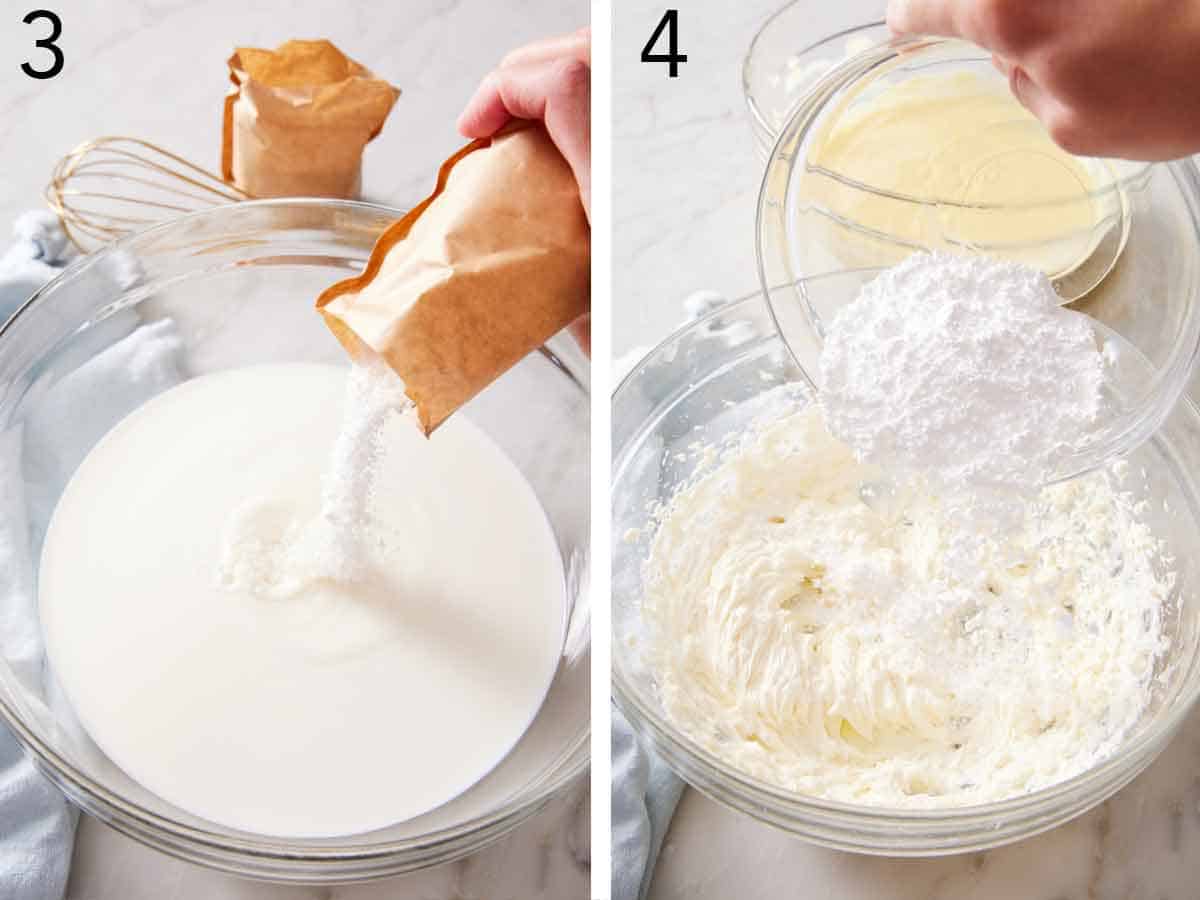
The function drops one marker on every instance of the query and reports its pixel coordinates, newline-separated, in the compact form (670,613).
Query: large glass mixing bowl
(707,383)
(239,282)
(1132,263)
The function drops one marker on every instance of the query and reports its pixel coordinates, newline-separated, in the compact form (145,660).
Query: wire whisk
(110,186)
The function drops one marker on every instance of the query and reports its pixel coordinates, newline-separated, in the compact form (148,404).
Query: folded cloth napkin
(644,795)
(37,825)
(37,254)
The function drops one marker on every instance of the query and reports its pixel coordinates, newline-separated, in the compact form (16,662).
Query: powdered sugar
(963,369)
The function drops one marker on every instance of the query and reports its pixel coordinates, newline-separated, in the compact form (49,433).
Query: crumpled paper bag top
(297,120)
(476,276)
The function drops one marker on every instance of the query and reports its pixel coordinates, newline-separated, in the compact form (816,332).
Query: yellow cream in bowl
(949,162)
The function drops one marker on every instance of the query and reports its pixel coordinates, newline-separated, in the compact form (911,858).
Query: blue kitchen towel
(644,795)
(39,252)
(37,825)
(106,372)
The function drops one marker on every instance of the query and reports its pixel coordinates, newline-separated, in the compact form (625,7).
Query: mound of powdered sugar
(963,369)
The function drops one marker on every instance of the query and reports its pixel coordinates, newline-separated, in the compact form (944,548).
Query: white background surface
(156,69)
(685,170)
(686,187)
(684,167)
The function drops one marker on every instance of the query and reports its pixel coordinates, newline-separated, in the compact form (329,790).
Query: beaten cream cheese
(813,643)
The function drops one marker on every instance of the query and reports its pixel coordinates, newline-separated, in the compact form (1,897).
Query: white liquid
(328,710)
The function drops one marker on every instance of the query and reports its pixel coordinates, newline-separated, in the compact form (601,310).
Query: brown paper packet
(478,275)
(297,120)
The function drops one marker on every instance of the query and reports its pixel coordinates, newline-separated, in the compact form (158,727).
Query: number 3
(46,43)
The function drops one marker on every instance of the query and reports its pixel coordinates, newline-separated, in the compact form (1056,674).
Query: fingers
(923,17)
(576,45)
(1024,89)
(581,330)
(556,91)
(1065,126)
(1034,98)
(485,113)
(1009,31)
(549,81)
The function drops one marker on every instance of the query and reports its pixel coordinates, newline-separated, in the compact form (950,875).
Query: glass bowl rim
(512,811)
(756,790)
(749,59)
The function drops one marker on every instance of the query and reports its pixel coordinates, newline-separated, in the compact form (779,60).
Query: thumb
(1060,121)
(923,17)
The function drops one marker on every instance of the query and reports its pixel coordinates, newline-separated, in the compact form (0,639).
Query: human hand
(550,81)
(1106,79)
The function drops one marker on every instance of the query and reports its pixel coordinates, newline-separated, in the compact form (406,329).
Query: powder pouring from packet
(298,118)
(479,274)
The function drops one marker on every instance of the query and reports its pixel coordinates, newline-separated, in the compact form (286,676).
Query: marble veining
(156,69)
(547,858)
(686,173)
(1142,843)
(685,177)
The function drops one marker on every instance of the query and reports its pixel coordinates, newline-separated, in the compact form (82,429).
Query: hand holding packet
(476,276)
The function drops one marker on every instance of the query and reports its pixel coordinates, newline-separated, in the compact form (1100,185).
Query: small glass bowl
(1077,256)
(1136,273)
(240,282)
(708,382)
(780,67)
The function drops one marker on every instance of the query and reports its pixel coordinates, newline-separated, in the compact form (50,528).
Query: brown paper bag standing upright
(479,274)
(297,120)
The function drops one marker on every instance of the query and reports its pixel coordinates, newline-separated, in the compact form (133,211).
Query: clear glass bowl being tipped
(708,382)
(1133,266)
(240,282)
(782,64)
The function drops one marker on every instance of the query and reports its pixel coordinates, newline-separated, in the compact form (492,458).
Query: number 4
(670,21)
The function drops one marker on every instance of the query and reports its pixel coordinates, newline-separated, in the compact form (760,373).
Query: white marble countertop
(156,69)
(686,181)
(685,170)
(685,174)
(1140,845)
(547,858)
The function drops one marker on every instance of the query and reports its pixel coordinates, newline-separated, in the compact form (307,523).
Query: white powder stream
(267,552)
(336,542)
